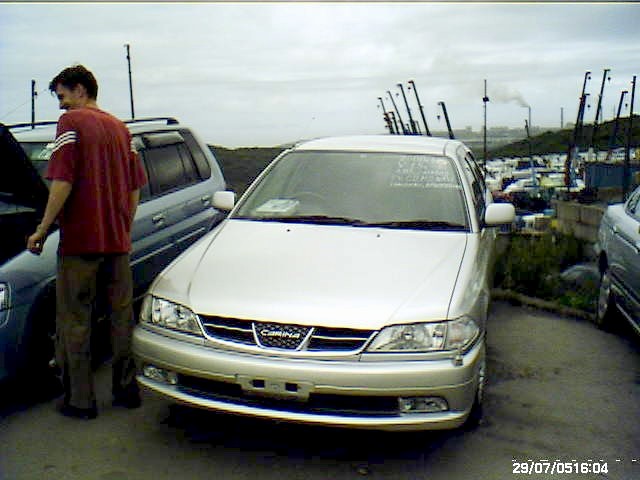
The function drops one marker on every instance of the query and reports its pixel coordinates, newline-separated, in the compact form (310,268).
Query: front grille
(318,403)
(285,336)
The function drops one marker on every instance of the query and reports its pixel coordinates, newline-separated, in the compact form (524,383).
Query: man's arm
(58,193)
(134,199)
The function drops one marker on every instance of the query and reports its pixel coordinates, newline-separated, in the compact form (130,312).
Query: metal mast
(446,118)
(424,120)
(404,130)
(406,104)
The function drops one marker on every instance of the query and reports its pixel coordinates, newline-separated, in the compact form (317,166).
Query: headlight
(4,296)
(163,313)
(426,337)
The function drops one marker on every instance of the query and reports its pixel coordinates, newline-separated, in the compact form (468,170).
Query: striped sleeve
(64,139)
(63,156)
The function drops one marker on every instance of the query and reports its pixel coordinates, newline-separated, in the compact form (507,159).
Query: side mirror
(499,214)
(224,200)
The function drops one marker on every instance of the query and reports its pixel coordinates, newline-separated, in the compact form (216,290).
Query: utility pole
(626,171)
(386,117)
(485,100)
(424,120)
(614,133)
(133,115)
(411,123)
(446,118)
(34,94)
(598,109)
(568,165)
(404,130)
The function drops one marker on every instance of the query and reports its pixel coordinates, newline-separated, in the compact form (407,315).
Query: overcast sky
(254,74)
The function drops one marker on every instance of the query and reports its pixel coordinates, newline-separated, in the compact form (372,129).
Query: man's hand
(36,241)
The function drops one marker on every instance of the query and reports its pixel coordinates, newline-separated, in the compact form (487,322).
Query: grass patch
(532,265)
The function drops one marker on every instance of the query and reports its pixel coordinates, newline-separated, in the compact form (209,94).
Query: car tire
(605,309)
(38,379)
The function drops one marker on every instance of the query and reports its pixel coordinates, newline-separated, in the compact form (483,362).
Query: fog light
(160,375)
(422,404)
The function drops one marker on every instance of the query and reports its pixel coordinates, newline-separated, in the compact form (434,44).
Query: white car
(619,262)
(348,287)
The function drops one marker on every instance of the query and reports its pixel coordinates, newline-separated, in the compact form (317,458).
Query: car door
(153,247)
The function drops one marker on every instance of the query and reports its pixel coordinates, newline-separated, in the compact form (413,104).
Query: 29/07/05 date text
(558,467)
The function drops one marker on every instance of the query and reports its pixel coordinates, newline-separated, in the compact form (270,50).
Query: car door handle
(206,199)
(158,219)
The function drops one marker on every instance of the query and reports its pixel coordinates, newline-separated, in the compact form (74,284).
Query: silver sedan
(619,262)
(348,287)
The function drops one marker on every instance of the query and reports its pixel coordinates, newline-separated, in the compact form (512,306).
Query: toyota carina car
(348,287)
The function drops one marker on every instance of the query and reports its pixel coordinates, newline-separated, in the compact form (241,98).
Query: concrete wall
(579,219)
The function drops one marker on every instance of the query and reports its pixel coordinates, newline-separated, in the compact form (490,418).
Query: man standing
(95,186)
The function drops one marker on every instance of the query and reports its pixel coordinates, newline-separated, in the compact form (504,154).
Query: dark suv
(175,210)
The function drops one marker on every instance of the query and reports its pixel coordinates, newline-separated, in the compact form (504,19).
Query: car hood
(335,276)
(20,183)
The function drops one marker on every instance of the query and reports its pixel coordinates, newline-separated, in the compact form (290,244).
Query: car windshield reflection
(386,190)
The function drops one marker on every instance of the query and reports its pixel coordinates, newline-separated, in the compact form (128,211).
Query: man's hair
(70,77)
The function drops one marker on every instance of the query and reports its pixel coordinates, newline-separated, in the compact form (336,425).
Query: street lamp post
(34,94)
(133,115)
(485,100)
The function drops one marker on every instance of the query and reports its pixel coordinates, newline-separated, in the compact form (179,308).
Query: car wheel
(605,311)
(38,379)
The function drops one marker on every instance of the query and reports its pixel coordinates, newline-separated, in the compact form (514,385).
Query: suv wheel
(605,311)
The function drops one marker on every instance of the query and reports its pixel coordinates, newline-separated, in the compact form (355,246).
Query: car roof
(383,143)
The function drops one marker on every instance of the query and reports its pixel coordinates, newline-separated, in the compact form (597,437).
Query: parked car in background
(349,287)
(175,210)
(619,263)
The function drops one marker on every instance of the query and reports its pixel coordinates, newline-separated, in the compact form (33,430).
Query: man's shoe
(127,401)
(80,413)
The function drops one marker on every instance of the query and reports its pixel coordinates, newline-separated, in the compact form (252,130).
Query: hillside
(558,141)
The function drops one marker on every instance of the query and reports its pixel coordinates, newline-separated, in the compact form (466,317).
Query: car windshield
(39,154)
(388,190)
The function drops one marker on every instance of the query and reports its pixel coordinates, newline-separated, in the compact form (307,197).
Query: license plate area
(275,388)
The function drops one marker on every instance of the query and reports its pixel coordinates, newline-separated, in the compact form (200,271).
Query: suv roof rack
(169,120)
(31,124)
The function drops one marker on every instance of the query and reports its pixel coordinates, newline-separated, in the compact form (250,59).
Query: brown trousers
(78,283)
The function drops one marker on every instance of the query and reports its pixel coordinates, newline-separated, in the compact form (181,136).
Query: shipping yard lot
(559,390)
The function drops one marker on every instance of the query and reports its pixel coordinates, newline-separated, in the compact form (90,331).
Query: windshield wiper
(318,219)
(421,224)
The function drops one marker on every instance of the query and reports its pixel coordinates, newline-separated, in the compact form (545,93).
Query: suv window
(170,167)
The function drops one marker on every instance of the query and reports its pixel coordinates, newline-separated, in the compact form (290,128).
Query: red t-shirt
(94,152)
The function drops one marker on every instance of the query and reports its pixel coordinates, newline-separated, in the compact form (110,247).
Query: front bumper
(341,393)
